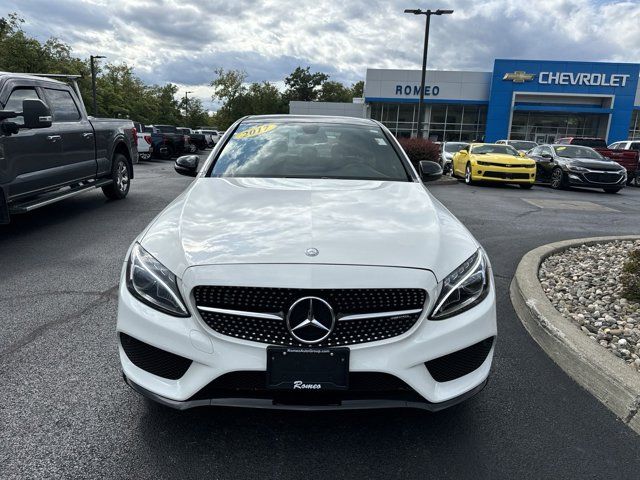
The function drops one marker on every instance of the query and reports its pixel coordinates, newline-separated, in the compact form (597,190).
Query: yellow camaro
(495,163)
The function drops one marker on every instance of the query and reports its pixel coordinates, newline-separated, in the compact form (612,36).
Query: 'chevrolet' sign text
(587,79)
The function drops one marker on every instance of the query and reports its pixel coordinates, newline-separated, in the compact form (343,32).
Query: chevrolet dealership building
(519,99)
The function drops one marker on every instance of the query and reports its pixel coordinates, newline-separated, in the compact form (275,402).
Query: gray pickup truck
(51,150)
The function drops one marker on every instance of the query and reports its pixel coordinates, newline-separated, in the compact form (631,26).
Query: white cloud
(184,41)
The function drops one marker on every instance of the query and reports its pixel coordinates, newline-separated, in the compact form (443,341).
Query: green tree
(194,113)
(358,89)
(167,107)
(229,88)
(265,98)
(304,85)
(335,92)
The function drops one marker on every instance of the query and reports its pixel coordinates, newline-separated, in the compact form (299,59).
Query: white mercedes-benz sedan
(306,267)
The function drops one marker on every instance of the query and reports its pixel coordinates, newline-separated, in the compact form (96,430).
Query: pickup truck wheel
(121,177)
(166,152)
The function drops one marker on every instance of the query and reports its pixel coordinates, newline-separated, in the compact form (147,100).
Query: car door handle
(53,138)
(87,135)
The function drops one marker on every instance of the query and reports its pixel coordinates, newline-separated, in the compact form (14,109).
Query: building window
(546,127)
(634,128)
(442,122)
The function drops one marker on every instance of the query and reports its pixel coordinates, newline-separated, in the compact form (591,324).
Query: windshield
(453,147)
(495,149)
(570,151)
(305,150)
(522,145)
(166,129)
(589,142)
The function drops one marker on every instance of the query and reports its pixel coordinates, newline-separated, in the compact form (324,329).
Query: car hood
(349,222)
(594,164)
(502,159)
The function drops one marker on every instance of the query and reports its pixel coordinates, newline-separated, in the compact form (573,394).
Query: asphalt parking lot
(66,413)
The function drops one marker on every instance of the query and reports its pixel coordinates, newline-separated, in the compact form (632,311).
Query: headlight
(152,283)
(464,288)
(575,168)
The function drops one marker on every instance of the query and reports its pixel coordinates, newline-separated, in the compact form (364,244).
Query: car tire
(121,178)
(612,190)
(558,180)
(468,175)
(144,156)
(526,186)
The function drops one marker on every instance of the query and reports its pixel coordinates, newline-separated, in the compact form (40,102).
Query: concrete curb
(604,375)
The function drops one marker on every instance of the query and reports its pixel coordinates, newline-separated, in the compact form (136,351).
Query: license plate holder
(307,369)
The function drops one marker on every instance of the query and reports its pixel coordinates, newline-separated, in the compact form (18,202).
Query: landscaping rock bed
(583,284)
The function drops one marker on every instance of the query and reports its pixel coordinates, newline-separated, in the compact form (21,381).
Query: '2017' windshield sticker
(380,141)
(255,131)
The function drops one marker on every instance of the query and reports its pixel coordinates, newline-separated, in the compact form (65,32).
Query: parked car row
(168,141)
(625,153)
(560,165)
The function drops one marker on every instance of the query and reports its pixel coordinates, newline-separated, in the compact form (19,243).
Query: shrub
(631,276)
(419,149)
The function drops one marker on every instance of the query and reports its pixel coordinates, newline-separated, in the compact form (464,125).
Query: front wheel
(612,190)
(121,176)
(468,176)
(557,179)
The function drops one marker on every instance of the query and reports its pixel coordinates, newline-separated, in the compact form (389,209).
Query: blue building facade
(520,99)
(601,95)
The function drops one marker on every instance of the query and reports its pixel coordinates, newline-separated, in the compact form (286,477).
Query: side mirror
(546,155)
(430,171)
(36,114)
(463,152)
(187,165)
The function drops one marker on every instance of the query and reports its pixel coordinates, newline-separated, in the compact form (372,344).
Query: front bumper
(214,355)
(263,403)
(495,173)
(596,178)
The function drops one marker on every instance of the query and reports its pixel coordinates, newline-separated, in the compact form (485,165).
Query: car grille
(460,363)
(603,177)
(507,176)
(506,165)
(154,360)
(263,310)
(253,384)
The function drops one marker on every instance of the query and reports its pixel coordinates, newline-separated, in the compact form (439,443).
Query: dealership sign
(570,78)
(415,90)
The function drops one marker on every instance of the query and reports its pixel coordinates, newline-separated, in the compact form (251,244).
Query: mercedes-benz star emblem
(310,320)
(311,252)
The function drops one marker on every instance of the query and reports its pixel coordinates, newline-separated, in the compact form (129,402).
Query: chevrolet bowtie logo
(518,76)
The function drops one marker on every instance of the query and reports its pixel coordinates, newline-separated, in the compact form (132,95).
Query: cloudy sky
(184,41)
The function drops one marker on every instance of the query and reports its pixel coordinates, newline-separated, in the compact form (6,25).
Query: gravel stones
(582,283)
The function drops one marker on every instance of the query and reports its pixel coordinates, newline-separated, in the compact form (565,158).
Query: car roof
(26,76)
(310,119)
(477,144)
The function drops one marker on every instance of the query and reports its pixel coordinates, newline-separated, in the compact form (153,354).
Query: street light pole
(93,82)
(426,13)
(186,104)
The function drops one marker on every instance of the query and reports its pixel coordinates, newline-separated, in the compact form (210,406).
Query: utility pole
(93,82)
(428,14)
(186,106)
